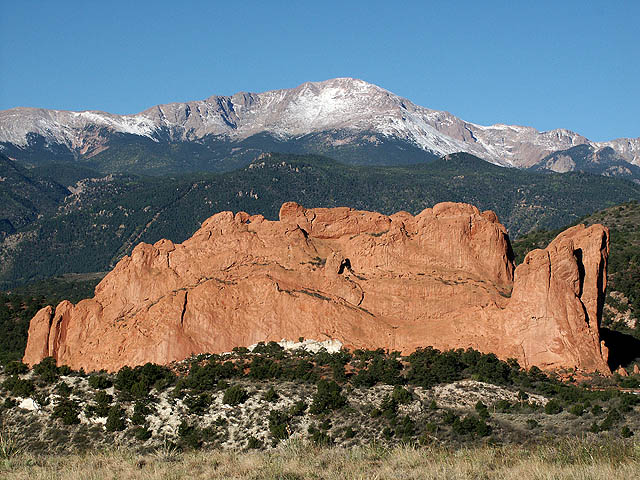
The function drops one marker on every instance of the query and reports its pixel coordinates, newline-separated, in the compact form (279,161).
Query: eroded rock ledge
(443,278)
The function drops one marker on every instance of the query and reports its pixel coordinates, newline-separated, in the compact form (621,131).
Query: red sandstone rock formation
(443,278)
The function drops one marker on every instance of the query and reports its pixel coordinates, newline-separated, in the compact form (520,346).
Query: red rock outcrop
(444,278)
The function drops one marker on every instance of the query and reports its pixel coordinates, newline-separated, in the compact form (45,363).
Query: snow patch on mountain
(341,104)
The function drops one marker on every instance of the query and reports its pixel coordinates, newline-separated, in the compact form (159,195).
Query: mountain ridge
(341,111)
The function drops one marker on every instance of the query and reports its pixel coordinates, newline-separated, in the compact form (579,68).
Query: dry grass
(570,459)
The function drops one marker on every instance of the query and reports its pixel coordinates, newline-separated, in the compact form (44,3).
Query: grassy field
(294,459)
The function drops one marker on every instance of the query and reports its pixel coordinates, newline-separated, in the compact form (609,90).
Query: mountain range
(347,119)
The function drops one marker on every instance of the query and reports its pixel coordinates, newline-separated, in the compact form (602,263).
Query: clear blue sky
(547,64)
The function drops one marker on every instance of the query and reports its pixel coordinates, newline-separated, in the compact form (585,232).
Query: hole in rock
(346,263)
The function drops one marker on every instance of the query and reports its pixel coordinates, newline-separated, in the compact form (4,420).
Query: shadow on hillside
(623,348)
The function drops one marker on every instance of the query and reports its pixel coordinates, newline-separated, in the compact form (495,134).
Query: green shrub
(431,427)
(298,370)
(326,424)
(270,395)
(471,425)
(328,397)
(253,443)
(63,389)
(270,349)
(19,387)
(298,408)
(405,428)
(101,408)
(262,368)
(349,432)
(103,398)
(552,407)
(612,418)
(199,404)
(626,432)
(41,399)
(628,382)
(209,377)
(15,368)
(576,409)
(235,395)
(338,372)
(138,382)
(503,406)
(191,436)
(482,410)
(99,382)
(389,408)
(627,401)
(47,370)
(142,434)
(378,368)
(449,418)
(140,412)
(320,437)
(116,419)
(401,395)
(279,424)
(67,410)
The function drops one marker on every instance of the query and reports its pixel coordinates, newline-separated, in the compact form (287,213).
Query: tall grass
(295,459)
(9,447)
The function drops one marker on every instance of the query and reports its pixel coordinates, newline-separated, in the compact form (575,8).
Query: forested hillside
(24,196)
(102,221)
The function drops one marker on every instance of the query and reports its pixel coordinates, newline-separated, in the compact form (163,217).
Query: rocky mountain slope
(444,278)
(588,158)
(349,119)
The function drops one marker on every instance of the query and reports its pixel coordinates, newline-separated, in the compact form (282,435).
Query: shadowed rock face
(444,278)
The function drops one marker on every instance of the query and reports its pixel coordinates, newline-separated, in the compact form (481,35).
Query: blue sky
(570,64)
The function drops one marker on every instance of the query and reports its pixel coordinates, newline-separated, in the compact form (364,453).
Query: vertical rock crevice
(184,309)
(577,253)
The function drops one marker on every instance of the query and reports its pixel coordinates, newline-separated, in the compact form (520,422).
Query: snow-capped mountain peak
(339,104)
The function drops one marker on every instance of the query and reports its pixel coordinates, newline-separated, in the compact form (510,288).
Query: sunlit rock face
(443,278)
